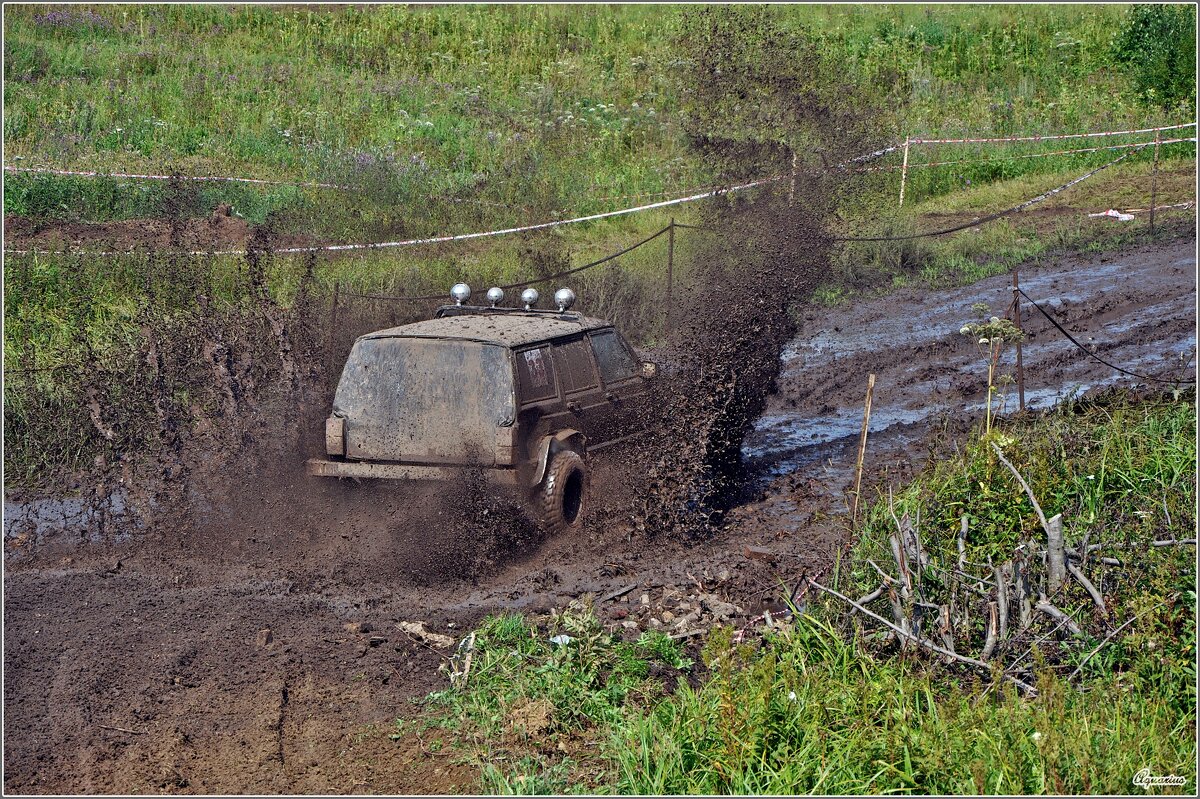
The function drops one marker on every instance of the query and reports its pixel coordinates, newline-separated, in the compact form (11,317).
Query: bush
(1159,45)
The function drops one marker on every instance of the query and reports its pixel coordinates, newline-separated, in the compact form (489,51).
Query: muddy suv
(523,394)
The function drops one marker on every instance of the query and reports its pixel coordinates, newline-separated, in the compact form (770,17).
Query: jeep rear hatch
(421,400)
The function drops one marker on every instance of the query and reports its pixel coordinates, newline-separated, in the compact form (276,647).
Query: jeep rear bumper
(402,471)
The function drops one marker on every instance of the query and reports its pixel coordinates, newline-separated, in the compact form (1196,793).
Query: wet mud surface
(259,651)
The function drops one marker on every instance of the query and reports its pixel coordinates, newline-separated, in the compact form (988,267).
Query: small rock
(645,599)
(417,630)
(758,553)
(684,607)
(359,627)
(718,608)
(667,617)
(265,637)
(723,576)
(629,624)
(655,623)
(620,613)
(376,640)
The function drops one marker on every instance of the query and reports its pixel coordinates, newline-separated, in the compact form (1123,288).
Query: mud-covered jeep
(522,394)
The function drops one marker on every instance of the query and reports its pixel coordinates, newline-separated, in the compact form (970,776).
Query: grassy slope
(819,708)
(507,104)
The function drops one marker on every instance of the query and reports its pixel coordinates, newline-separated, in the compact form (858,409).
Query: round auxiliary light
(460,292)
(495,295)
(564,298)
(530,298)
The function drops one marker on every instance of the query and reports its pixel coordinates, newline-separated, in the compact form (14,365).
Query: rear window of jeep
(536,374)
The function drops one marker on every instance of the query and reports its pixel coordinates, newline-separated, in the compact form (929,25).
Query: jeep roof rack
(465,310)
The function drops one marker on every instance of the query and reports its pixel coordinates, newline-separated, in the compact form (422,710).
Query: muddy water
(1137,310)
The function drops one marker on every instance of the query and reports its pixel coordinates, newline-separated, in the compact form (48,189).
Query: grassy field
(534,109)
(822,706)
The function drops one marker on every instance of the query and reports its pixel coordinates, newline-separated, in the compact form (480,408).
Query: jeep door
(582,394)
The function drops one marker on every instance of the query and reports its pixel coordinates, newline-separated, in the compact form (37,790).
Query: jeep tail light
(335,435)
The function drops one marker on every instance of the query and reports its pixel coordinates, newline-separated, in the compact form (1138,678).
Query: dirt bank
(145,668)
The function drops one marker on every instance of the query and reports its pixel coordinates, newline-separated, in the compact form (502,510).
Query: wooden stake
(670,270)
(792,194)
(904,171)
(1017,321)
(1154,176)
(862,447)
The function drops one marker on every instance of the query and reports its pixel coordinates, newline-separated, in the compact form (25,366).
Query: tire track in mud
(164,639)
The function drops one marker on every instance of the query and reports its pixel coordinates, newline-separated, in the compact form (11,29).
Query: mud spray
(197,434)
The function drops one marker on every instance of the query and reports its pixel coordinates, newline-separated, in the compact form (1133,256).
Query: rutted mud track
(145,668)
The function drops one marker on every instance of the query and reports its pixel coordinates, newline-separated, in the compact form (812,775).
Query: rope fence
(1092,354)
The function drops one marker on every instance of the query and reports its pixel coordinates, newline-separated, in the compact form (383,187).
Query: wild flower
(992,335)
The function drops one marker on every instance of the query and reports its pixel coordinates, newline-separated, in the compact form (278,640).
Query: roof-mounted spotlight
(530,298)
(564,298)
(460,293)
(495,295)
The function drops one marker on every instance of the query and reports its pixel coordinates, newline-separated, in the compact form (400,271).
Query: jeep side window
(575,367)
(536,375)
(615,360)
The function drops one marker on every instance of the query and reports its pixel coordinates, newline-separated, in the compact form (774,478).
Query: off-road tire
(562,494)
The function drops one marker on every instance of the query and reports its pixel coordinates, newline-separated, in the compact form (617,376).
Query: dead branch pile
(939,607)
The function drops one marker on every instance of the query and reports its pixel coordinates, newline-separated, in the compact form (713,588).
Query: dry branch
(1003,574)
(979,664)
(1044,606)
(1021,581)
(1077,573)
(1024,485)
(989,645)
(1109,637)
(871,597)
(1056,570)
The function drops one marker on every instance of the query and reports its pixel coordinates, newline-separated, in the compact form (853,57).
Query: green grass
(533,108)
(820,706)
(1059,225)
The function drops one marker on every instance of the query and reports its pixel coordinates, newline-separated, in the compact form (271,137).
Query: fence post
(670,270)
(904,170)
(1154,176)
(1017,319)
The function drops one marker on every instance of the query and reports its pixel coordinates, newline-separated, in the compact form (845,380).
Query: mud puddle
(264,655)
(1136,310)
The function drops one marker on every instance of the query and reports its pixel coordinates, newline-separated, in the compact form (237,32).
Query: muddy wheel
(562,493)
